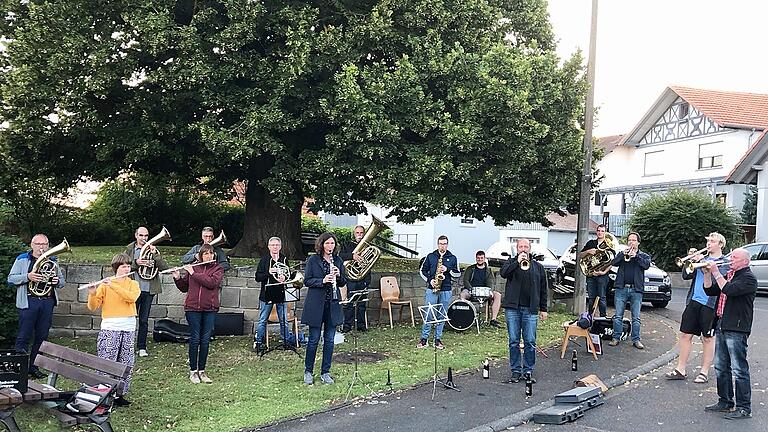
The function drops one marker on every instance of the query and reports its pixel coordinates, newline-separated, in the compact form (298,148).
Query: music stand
(438,314)
(357,297)
(275,295)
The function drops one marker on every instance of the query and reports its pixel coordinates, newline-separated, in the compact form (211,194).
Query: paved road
(652,403)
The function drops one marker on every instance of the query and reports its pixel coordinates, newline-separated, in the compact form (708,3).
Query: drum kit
(462,314)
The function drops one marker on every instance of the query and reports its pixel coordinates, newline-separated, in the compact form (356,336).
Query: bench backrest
(79,366)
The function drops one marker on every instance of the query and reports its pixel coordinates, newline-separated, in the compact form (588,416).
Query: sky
(645,46)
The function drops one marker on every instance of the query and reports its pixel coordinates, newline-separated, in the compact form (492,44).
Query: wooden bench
(308,240)
(78,366)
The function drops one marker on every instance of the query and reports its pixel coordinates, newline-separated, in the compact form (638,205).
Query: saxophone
(439,276)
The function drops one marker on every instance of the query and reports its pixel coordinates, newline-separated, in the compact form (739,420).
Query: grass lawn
(248,391)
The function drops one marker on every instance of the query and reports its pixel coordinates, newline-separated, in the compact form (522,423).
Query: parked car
(658,289)
(496,258)
(758,255)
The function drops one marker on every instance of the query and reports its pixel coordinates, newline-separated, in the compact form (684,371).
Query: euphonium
(148,272)
(602,259)
(357,270)
(48,268)
(221,239)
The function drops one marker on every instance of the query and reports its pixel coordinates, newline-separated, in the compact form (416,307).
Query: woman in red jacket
(202,283)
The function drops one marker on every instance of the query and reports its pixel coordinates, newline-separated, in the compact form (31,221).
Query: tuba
(221,239)
(357,270)
(48,268)
(606,252)
(148,272)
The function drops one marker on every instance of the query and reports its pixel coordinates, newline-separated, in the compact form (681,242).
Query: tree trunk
(264,218)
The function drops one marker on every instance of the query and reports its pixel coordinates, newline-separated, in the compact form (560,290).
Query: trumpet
(525,263)
(686,261)
(702,264)
(173,269)
(626,254)
(97,283)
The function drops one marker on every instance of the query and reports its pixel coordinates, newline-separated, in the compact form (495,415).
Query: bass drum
(461,315)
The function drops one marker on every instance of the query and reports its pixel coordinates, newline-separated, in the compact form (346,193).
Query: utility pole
(579,292)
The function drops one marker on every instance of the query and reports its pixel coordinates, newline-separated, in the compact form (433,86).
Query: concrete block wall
(240,293)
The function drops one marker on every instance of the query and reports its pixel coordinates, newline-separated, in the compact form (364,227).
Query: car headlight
(666,280)
(647,279)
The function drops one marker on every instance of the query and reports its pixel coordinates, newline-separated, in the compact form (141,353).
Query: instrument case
(577,395)
(13,370)
(603,327)
(559,414)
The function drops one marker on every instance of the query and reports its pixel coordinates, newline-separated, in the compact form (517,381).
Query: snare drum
(481,293)
(461,315)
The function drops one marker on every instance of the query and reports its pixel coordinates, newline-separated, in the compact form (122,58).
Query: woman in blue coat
(323,276)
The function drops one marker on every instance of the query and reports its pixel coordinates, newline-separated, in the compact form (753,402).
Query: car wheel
(659,305)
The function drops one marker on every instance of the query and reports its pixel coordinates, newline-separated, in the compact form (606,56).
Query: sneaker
(121,402)
(515,378)
(495,323)
(143,353)
(194,377)
(613,342)
(422,344)
(527,376)
(308,379)
(204,377)
(719,407)
(740,413)
(326,378)
(439,344)
(638,345)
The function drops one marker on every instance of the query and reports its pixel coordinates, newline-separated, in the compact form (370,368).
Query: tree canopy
(426,107)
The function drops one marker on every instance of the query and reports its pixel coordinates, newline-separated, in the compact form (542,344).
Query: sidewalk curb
(524,416)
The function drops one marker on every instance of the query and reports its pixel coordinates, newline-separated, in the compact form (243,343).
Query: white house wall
(625,165)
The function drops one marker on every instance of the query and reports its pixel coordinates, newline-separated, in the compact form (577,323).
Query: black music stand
(438,314)
(357,297)
(275,295)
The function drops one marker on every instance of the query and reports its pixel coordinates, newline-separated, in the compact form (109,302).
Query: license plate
(651,288)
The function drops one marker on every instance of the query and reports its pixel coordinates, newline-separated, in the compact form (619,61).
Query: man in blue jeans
(735,309)
(629,286)
(525,300)
(271,272)
(597,282)
(439,262)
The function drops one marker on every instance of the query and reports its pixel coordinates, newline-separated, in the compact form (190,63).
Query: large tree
(424,106)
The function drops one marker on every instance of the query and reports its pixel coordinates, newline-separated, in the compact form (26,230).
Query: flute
(170,270)
(93,284)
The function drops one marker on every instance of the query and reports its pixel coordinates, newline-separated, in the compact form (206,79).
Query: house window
(654,163)
(467,222)
(721,198)
(408,240)
(710,156)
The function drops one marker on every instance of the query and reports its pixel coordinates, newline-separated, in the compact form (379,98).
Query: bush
(10,248)
(123,205)
(313,224)
(671,223)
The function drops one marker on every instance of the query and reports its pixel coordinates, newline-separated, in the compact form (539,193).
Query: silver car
(758,255)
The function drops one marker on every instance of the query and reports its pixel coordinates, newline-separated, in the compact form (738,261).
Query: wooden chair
(390,295)
(343,291)
(290,319)
(573,330)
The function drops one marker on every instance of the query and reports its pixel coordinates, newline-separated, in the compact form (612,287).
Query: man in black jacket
(525,300)
(352,286)
(734,311)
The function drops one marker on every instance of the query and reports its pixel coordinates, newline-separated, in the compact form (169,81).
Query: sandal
(701,378)
(676,375)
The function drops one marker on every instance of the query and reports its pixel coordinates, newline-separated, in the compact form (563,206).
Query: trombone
(686,261)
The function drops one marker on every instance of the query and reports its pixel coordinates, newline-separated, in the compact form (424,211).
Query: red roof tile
(728,109)
(608,143)
(569,222)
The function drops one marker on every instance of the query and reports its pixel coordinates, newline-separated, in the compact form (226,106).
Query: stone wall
(240,293)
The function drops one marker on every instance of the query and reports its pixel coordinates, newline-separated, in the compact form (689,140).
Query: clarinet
(334,296)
